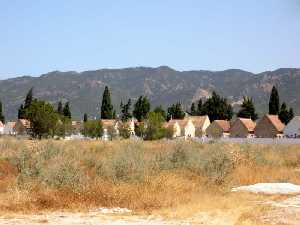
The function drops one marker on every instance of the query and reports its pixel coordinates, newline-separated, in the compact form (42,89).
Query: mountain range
(163,86)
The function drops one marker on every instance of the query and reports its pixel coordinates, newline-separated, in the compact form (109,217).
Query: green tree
(125,111)
(124,130)
(28,99)
(93,129)
(43,119)
(21,112)
(199,108)
(67,111)
(141,108)
(284,114)
(274,102)
(193,111)
(217,108)
(175,112)
(154,129)
(2,117)
(60,108)
(63,126)
(85,117)
(247,109)
(159,109)
(106,106)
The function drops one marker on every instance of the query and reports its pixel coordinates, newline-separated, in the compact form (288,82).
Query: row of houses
(269,126)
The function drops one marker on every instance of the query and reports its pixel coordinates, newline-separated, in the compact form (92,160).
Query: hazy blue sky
(40,36)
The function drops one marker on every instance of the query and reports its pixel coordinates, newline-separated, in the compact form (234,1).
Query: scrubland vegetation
(143,176)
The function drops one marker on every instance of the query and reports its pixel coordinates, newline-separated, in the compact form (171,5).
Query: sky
(38,36)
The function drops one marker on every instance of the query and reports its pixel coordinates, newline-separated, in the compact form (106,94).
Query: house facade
(9,128)
(292,129)
(242,128)
(269,126)
(1,128)
(189,127)
(218,129)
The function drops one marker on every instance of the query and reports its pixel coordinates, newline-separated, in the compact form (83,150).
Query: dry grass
(176,179)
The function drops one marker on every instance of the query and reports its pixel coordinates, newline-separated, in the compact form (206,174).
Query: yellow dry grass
(174,180)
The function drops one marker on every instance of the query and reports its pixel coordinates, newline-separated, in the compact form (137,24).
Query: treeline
(46,121)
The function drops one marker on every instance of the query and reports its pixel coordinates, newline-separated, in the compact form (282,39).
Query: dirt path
(285,212)
(83,219)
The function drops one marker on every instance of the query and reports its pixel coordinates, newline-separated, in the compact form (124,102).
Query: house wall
(265,129)
(205,125)
(214,131)
(189,130)
(176,130)
(238,130)
(292,129)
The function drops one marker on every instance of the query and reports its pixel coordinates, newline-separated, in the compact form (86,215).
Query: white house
(189,127)
(292,129)
(9,128)
(1,128)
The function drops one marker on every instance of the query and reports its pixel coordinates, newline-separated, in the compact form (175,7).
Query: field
(169,179)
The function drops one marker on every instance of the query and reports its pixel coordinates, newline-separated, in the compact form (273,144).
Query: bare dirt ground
(279,212)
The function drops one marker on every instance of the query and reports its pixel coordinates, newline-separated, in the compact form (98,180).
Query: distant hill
(162,85)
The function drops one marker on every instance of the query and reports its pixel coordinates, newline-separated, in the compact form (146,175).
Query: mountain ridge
(163,85)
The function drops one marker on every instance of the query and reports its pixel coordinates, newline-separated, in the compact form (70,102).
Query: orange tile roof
(274,119)
(248,123)
(198,121)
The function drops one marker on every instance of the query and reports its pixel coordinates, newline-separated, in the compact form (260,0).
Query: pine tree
(85,118)
(193,111)
(284,115)
(274,102)
(217,108)
(67,111)
(247,109)
(28,99)
(199,108)
(106,106)
(60,108)
(175,112)
(2,118)
(125,111)
(141,108)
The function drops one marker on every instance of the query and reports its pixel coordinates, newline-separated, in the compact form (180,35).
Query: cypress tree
(106,106)
(247,109)
(85,118)
(284,114)
(67,111)
(2,118)
(274,102)
(28,99)
(21,112)
(60,108)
